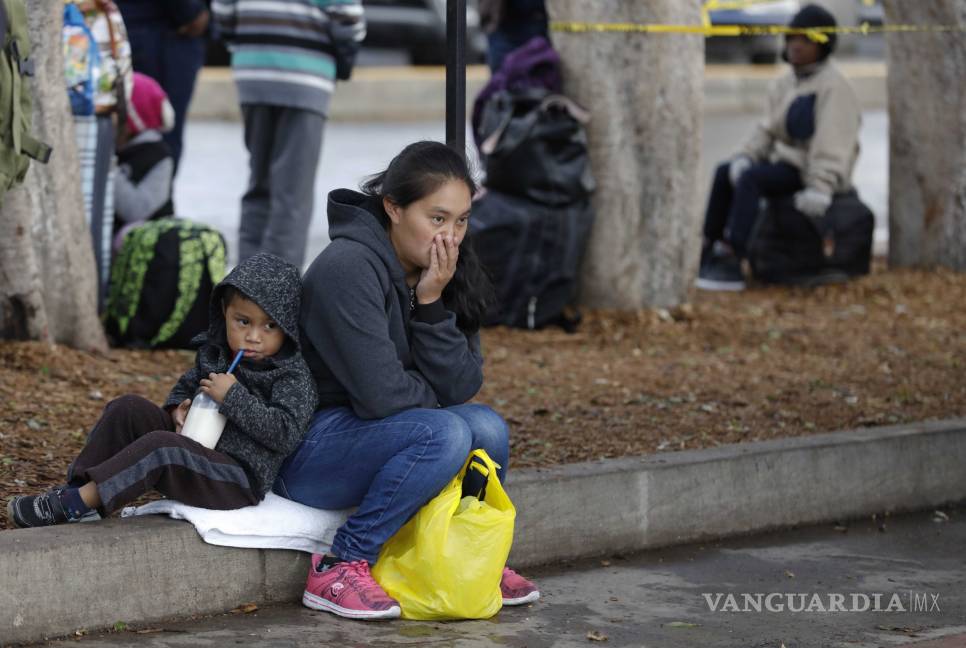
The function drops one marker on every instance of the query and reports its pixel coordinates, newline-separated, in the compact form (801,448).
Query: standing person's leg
(719,204)
(498,45)
(760,180)
(295,159)
(182,60)
(260,125)
(146,50)
(102,204)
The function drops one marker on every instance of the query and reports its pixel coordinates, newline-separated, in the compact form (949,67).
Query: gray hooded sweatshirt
(269,408)
(367,344)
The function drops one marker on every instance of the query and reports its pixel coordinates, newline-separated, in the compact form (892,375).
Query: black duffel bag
(535,147)
(787,246)
(533,253)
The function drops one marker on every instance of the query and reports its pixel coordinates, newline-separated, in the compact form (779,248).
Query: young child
(137,446)
(142,189)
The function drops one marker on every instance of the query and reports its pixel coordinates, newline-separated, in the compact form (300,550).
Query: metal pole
(456,75)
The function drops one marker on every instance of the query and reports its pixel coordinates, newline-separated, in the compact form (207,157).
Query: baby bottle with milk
(204,422)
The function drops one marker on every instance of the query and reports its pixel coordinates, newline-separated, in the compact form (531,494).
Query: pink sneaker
(349,590)
(516,589)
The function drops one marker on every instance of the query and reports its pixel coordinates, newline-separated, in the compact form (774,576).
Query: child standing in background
(143,187)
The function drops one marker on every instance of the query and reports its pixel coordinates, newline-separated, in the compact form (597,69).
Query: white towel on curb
(274,523)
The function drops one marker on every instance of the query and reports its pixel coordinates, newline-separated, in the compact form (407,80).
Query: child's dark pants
(134,449)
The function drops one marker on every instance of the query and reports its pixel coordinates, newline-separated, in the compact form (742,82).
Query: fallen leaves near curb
(247,608)
(730,368)
(906,630)
(595,635)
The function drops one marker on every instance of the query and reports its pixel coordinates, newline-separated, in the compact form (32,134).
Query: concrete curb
(419,94)
(143,570)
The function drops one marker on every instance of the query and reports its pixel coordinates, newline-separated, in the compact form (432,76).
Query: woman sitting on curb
(390,318)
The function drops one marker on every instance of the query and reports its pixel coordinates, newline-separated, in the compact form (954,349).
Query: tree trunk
(927,115)
(645,95)
(48,280)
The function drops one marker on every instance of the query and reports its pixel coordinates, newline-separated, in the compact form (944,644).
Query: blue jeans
(174,62)
(506,39)
(388,467)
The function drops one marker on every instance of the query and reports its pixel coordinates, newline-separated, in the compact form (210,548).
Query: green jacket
(17,146)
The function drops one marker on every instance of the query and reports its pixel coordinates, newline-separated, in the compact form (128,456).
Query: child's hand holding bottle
(180,413)
(216,385)
(204,422)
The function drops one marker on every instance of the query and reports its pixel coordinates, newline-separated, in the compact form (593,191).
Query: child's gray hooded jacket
(269,408)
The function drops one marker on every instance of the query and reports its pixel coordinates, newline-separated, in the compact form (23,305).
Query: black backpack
(161,283)
(532,252)
(787,246)
(534,145)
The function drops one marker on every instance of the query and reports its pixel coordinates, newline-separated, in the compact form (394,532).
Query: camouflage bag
(161,283)
(17,146)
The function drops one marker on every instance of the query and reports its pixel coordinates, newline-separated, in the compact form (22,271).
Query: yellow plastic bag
(447,561)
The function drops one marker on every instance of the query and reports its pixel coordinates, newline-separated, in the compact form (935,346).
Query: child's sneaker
(37,510)
(348,590)
(516,589)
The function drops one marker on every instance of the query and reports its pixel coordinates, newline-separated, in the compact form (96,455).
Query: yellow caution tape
(817,34)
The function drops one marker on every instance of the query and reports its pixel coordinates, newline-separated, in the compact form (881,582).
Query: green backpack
(161,284)
(16,144)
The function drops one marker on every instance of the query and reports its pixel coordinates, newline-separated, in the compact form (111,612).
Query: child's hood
(272,283)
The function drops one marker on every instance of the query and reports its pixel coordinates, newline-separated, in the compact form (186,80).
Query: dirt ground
(727,368)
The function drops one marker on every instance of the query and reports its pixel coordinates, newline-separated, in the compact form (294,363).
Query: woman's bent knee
(489,429)
(448,435)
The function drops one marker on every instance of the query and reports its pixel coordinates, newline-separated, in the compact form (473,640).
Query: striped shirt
(282,52)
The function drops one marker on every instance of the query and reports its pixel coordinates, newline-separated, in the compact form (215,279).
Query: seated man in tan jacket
(805,145)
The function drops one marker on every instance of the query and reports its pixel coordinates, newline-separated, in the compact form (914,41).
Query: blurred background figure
(805,146)
(509,24)
(285,57)
(142,188)
(168,44)
(98,77)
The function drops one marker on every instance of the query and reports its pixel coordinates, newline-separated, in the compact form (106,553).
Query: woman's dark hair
(419,170)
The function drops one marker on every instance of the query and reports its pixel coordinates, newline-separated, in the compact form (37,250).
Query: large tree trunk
(48,280)
(645,96)
(927,115)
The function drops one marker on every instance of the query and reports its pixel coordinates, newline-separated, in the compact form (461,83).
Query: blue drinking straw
(234,363)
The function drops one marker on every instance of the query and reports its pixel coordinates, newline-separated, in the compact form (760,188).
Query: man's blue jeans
(388,467)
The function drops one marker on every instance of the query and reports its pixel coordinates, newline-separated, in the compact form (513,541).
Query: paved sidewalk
(656,599)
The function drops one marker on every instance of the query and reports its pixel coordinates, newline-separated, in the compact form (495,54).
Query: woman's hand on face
(442,267)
